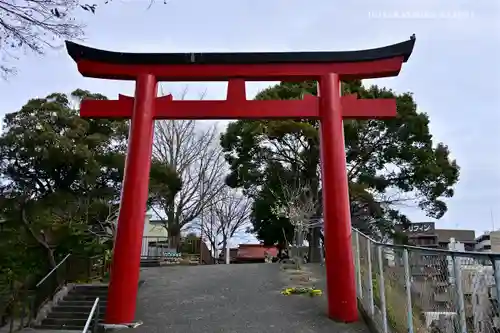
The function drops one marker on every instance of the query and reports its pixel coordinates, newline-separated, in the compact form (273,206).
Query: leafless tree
(105,230)
(36,25)
(232,212)
(227,215)
(195,154)
(209,228)
(297,202)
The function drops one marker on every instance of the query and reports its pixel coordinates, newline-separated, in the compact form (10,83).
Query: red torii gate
(328,68)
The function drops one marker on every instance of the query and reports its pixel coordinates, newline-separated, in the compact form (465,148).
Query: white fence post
(409,307)
(371,299)
(383,304)
(357,262)
(460,295)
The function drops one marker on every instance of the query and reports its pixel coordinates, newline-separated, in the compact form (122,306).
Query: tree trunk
(311,167)
(51,258)
(214,254)
(39,238)
(314,247)
(174,237)
(323,252)
(297,258)
(225,250)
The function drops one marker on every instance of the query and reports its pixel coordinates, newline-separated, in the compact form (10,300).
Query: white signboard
(419,227)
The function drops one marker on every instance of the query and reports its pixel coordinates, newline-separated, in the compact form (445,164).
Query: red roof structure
(251,252)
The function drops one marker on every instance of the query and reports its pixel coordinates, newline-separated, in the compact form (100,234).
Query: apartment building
(432,271)
(433,284)
(488,242)
(425,234)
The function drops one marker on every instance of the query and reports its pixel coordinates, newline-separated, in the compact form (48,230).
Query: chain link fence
(406,289)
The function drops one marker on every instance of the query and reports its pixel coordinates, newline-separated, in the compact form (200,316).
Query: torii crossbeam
(236,106)
(328,68)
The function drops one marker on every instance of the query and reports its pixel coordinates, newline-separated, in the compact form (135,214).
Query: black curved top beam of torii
(256,66)
(79,52)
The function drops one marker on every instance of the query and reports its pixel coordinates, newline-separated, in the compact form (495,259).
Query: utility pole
(228,260)
(201,241)
(202,225)
(492,220)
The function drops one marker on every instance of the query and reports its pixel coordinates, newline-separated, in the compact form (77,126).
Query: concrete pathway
(242,298)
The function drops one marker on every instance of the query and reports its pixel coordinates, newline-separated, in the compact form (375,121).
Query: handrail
(403,288)
(95,309)
(52,271)
(28,299)
(426,249)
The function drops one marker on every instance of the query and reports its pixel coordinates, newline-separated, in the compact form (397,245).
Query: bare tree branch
(296,202)
(233,212)
(106,230)
(209,228)
(35,25)
(194,153)
(225,216)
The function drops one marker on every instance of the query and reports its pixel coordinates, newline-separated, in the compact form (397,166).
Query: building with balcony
(154,239)
(425,234)
(432,284)
(488,242)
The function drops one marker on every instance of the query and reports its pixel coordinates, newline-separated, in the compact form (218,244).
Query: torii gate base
(326,67)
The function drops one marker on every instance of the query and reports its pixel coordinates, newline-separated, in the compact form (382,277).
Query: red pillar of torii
(328,68)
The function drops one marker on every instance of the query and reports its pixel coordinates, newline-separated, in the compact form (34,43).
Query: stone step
(151,264)
(50,330)
(87,297)
(102,303)
(84,297)
(75,308)
(91,287)
(58,327)
(73,315)
(65,322)
(89,291)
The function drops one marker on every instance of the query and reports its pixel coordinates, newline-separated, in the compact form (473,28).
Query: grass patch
(395,299)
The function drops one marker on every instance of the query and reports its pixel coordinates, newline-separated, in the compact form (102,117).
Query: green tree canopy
(60,177)
(389,162)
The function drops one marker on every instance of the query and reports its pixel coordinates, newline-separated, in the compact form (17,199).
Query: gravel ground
(229,298)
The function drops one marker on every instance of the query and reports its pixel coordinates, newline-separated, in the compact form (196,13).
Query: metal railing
(408,289)
(93,319)
(50,284)
(21,302)
(85,269)
(154,246)
(15,307)
(194,250)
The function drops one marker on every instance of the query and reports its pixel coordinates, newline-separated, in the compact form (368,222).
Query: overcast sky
(453,71)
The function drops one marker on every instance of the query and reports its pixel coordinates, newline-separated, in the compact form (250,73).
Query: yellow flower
(310,291)
(316,292)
